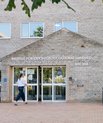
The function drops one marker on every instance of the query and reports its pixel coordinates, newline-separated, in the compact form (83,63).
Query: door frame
(31,85)
(13,84)
(42,84)
(53,84)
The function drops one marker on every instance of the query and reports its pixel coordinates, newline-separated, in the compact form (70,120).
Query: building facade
(59,65)
(63,66)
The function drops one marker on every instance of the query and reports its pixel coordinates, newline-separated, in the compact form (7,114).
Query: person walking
(21,84)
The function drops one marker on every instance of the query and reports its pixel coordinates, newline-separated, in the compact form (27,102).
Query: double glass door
(31,77)
(54,83)
(47,83)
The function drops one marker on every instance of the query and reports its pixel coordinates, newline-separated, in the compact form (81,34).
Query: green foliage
(11,5)
(47,75)
(35,4)
(38,32)
(56,1)
(25,8)
(17,72)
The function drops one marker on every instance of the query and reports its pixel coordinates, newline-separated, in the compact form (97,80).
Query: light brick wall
(83,64)
(88,15)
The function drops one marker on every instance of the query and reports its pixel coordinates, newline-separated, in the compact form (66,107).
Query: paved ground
(51,113)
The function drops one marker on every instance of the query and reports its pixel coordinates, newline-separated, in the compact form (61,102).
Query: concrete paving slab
(51,113)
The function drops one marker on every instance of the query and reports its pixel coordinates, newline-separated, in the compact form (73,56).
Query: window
(32,30)
(5,30)
(72,26)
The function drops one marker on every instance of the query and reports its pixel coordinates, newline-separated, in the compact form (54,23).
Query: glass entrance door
(54,83)
(46,83)
(31,75)
(32,84)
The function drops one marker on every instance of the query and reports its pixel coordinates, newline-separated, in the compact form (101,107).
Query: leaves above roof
(35,4)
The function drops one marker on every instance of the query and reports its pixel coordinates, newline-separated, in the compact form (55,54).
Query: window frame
(62,24)
(10,30)
(29,30)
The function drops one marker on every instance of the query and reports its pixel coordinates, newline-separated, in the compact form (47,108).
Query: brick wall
(88,15)
(83,59)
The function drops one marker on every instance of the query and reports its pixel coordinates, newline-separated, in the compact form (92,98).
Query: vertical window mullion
(42,85)
(13,84)
(52,83)
(26,86)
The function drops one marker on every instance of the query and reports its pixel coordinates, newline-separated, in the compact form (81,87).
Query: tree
(35,4)
(38,32)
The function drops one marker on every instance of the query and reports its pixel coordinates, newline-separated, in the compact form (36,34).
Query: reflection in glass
(58,26)
(59,92)
(15,92)
(47,75)
(32,92)
(72,26)
(36,29)
(47,92)
(59,74)
(17,72)
(32,75)
(5,30)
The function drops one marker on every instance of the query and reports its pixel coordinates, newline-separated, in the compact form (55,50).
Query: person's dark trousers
(20,94)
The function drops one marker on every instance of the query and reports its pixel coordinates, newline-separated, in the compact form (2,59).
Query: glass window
(59,75)
(58,26)
(59,92)
(32,30)
(25,30)
(47,92)
(31,75)
(47,75)
(54,83)
(15,92)
(31,92)
(5,30)
(72,26)
(17,72)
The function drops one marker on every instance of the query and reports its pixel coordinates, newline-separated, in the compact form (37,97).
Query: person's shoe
(26,103)
(15,103)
